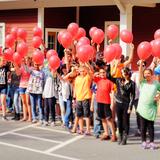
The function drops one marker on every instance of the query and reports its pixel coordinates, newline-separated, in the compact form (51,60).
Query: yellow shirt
(82,88)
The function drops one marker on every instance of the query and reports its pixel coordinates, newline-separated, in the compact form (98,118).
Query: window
(2,34)
(106,25)
(51,40)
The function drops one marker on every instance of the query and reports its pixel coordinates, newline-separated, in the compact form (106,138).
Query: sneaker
(152,146)
(4,118)
(53,124)
(45,123)
(34,121)
(144,145)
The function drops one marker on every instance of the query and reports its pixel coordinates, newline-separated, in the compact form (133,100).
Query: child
(104,88)
(35,89)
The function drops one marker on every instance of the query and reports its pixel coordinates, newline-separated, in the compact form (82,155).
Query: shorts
(3,90)
(83,108)
(104,111)
(22,90)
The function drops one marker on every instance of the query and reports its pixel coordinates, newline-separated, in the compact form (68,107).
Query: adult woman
(124,98)
(147,105)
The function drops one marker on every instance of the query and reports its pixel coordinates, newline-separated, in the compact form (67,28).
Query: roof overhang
(22,4)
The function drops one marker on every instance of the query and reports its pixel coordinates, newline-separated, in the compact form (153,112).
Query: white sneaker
(53,124)
(45,123)
(34,121)
(4,118)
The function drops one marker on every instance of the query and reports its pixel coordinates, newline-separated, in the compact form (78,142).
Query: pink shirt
(24,77)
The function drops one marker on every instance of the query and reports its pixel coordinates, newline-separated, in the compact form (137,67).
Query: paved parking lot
(25,141)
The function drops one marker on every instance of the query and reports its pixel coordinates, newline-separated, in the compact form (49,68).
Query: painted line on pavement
(37,138)
(16,130)
(64,144)
(38,151)
(52,130)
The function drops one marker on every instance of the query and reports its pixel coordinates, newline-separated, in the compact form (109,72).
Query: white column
(126,23)
(41,19)
(77,14)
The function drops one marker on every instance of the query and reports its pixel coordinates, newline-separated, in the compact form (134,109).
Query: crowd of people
(95,91)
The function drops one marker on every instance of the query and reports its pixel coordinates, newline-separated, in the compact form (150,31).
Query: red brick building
(139,16)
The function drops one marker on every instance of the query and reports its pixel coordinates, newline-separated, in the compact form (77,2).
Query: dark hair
(127,71)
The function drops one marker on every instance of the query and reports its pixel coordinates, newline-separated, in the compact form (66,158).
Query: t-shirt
(51,86)
(82,88)
(3,76)
(147,107)
(118,73)
(36,82)
(24,77)
(104,88)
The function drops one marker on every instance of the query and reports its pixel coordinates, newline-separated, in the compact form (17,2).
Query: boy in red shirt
(104,89)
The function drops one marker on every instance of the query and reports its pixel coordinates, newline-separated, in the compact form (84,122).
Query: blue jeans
(68,112)
(36,99)
(97,123)
(14,93)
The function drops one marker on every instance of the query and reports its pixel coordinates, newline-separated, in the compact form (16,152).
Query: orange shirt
(118,73)
(82,88)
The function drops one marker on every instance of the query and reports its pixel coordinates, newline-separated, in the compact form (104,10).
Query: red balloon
(81,33)
(9,40)
(37,31)
(85,53)
(112,31)
(98,36)
(66,39)
(82,41)
(22,49)
(144,50)
(126,36)
(60,35)
(118,49)
(14,31)
(73,28)
(8,54)
(157,34)
(17,58)
(50,53)
(92,30)
(21,33)
(109,53)
(54,62)
(155,47)
(38,57)
(36,41)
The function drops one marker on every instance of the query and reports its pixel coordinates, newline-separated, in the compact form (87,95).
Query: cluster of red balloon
(53,59)
(114,51)
(146,49)
(38,55)
(11,41)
